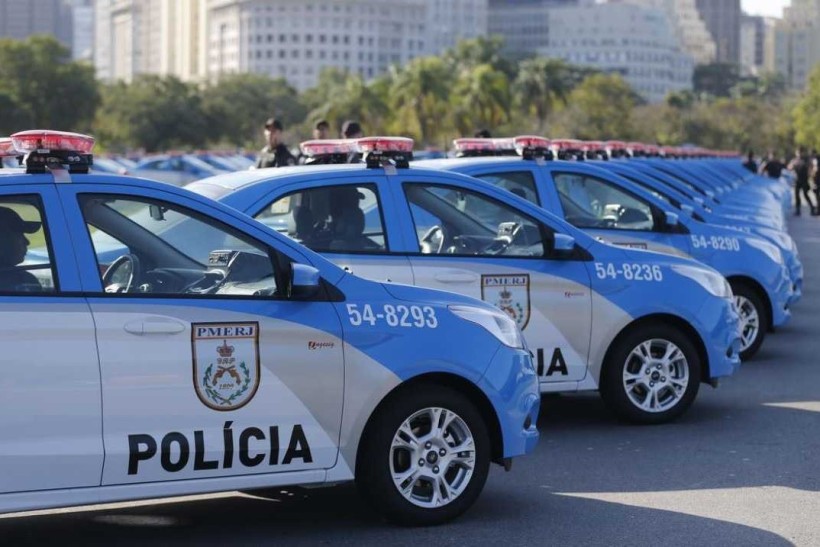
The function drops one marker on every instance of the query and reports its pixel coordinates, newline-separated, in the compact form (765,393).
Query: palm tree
(541,83)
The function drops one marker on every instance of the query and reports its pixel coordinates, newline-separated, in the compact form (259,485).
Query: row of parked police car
(388,321)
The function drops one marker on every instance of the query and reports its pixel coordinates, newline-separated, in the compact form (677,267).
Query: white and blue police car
(611,207)
(643,328)
(175,368)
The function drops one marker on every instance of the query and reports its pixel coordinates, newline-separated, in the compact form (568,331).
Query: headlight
(496,322)
(713,282)
(770,249)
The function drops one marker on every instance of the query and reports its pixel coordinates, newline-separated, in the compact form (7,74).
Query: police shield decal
(509,293)
(225,363)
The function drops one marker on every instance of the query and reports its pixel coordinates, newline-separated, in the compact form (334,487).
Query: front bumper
(720,328)
(512,386)
(781,300)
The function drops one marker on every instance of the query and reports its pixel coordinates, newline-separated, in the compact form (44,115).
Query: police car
(178,369)
(662,186)
(644,328)
(615,209)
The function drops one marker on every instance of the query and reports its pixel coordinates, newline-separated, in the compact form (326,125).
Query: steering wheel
(428,246)
(128,263)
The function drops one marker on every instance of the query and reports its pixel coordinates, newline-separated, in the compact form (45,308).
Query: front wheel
(754,321)
(652,375)
(425,456)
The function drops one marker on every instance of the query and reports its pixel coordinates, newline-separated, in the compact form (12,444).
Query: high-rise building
(752,44)
(449,21)
(20,19)
(523,24)
(722,18)
(636,42)
(294,39)
(794,49)
(149,37)
(690,29)
(82,26)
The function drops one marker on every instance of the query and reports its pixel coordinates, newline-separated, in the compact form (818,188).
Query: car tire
(388,451)
(754,318)
(651,375)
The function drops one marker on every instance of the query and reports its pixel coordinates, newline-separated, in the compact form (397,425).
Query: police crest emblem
(225,363)
(510,293)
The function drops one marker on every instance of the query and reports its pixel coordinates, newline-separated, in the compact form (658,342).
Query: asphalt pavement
(742,467)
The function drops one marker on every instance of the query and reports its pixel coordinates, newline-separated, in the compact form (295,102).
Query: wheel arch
(457,383)
(757,288)
(673,321)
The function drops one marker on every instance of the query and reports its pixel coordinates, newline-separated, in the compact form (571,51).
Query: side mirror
(672,219)
(304,282)
(564,243)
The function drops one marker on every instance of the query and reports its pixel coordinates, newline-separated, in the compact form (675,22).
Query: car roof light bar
(48,150)
(383,151)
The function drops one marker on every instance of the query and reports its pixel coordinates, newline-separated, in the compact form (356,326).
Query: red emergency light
(55,141)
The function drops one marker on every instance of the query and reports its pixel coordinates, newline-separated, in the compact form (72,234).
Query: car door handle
(154,325)
(456,277)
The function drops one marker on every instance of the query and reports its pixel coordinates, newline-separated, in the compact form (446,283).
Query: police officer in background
(750,162)
(275,154)
(801,166)
(352,130)
(772,167)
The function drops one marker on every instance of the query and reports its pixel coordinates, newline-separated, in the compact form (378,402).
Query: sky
(773,8)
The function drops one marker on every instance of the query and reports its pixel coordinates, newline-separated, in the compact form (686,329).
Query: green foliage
(236,107)
(419,99)
(154,113)
(432,99)
(715,79)
(599,108)
(807,114)
(41,87)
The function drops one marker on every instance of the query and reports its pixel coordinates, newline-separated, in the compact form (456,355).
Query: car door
(348,220)
(470,243)
(198,384)
(608,211)
(50,415)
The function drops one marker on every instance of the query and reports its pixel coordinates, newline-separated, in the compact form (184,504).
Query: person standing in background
(801,166)
(772,167)
(275,153)
(750,162)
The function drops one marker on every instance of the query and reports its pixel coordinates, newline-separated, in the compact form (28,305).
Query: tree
(347,96)
(599,108)
(481,98)
(419,98)
(715,79)
(807,113)
(237,106)
(40,87)
(154,113)
(468,54)
(541,84)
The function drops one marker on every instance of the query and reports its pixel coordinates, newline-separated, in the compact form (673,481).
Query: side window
(25,259)
(469,223)
(592,203)
(340,219)
(520,183)
(152,248)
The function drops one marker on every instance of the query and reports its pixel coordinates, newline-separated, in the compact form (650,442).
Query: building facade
(752,45)
(634,41)
(690,29)
(523,24)
(793,49)
(723,18)
(20,19)
(201,40)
